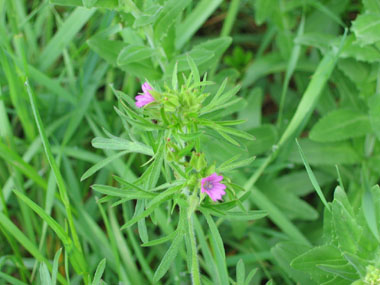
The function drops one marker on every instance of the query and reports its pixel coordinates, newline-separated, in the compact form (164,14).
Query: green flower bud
(198,161)
(192,181)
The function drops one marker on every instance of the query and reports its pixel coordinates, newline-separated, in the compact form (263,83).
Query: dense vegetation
(251,154)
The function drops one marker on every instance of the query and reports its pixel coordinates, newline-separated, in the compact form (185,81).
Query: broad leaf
(340,125)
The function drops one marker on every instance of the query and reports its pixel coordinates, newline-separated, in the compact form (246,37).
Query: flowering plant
(169,124)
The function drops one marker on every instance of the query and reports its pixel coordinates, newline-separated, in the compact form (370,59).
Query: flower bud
(198,161)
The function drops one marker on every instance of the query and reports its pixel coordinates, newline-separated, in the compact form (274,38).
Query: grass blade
(64,36)
(312,177)
(57,173)
(99,272)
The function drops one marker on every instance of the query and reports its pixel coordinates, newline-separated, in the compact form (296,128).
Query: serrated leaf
(284,253)
(366,28)
(347,230)
(110,50)
(339,125)
(352,48)
(325,254)
(134,53)
(345,271)
(324,153)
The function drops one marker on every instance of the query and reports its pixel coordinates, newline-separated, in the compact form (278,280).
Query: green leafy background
(307,70)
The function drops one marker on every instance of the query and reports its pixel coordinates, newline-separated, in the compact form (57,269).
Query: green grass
(281,97)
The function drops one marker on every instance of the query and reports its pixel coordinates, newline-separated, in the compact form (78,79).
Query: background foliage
(307,69)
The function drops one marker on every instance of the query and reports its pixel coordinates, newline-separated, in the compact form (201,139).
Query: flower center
(208,185)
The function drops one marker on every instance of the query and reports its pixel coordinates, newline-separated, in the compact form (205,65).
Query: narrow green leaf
(311,95)
(123,193)
(240,272)
(13,158)
(44,275)
(121,144)
(99,272)
(168,258)
(194,69)
(54,272)
(56,171)
(154,203)
(10,279)
(195,20)
(238,164)
(65,35)
(247,216)
(250,276)
(63,236)
(101,164)
(22,239)
(312,177)
(218,247)
(161,240)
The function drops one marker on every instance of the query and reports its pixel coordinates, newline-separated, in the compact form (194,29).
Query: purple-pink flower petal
(146,87)
(146,97)
(212,187)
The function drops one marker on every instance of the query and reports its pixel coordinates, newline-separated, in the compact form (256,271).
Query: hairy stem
(196,280)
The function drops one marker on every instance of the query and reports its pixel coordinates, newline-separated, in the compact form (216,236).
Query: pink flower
(211,186)
(146,97)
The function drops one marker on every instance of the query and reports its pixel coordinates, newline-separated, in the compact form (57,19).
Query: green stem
(233,9)
(252,180)
(194,255)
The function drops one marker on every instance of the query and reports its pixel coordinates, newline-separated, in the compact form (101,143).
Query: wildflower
(211,186)
(146,97)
